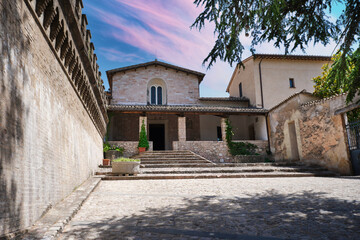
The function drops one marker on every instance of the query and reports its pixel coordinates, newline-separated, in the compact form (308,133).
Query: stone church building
(167,99)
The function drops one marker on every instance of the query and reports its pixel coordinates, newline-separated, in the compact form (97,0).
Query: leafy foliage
(126,160)
(327,85)
(238,148)
(108,147)
(289,23)
(143,141)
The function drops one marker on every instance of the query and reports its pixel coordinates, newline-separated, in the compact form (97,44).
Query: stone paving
(257,208)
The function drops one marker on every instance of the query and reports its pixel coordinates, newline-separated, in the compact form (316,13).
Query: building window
(156,95)
(156,92)
(219,134)
(292,83)
(240,90)
(159,95)
(153,95)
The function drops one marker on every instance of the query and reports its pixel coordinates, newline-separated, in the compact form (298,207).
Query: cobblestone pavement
(258,208)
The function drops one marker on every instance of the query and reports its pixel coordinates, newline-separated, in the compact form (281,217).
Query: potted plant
(143,141)
(106,162)
(126,166)
(112,151)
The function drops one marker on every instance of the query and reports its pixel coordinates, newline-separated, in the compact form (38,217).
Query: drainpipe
(261,87)
(262,105)
(267,130)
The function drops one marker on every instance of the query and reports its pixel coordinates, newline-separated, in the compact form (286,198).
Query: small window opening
(219,135)
(153,95)
(292,83)
(240,90)
(159,95)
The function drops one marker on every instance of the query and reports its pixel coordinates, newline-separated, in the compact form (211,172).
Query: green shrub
(108,147)
(143,142)
(126,160)
(238,148)
(242,148)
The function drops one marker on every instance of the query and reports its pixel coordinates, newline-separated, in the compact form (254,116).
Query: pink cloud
(162,28)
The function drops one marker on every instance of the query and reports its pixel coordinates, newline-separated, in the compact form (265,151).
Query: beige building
(268,79)
(166,98)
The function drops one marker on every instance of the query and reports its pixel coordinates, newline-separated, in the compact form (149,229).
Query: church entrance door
(157,136)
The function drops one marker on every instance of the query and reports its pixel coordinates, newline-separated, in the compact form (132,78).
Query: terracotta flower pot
(141,149)
(106,162)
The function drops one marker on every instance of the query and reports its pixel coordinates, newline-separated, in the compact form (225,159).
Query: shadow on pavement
(306,215)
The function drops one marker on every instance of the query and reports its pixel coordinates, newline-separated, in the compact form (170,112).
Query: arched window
(159,95)
(157,92)
(153,95)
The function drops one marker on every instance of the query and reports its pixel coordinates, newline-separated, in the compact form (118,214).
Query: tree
(327,87)
(289,23)
(143,141)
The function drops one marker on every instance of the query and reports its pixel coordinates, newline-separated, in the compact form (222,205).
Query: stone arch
(157,92)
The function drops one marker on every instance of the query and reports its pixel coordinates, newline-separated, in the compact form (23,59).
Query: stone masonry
(320,133)
(52,108)
(216,151)
(131,88)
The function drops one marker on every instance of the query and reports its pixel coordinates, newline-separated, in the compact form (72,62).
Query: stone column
(182,129)
(141,118)
(223,128)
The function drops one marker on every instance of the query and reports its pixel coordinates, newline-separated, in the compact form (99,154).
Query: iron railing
(353,133)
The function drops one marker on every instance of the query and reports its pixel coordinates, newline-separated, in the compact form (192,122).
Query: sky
(128,32)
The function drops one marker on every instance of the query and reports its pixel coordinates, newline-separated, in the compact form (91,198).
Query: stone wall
(130,147)
(319,135)
(51,121)
(216,151)
(131,88)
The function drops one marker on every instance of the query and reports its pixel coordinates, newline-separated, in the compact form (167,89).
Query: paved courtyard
(258,208)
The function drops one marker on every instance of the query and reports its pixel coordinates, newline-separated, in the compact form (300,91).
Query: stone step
(227,170)
(173,170)
(177,165)
(170,169)
(172,157)
(165,152)
(220,175)
(172,161)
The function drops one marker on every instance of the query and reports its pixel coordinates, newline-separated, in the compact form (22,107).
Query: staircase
(188,165)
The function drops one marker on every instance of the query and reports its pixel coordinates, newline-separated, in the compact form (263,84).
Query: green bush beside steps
(126,160)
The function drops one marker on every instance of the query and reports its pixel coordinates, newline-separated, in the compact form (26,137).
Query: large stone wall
(51,127)
(320,134)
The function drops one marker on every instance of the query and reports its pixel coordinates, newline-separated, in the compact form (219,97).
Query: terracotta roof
(290,57)
(231,99)
(186,109)
(109,73)
(290,97)
(279,56)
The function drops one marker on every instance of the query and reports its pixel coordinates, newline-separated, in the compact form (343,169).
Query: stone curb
(209,176)
(54,221)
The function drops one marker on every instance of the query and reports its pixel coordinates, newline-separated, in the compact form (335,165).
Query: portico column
(141,119)
(182,128)
(223,128)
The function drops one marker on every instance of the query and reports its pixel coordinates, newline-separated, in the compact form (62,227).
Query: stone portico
(200,129)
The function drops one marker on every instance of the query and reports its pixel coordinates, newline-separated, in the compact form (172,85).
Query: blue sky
(127,32)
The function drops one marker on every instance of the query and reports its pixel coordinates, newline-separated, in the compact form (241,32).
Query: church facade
(166,98)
